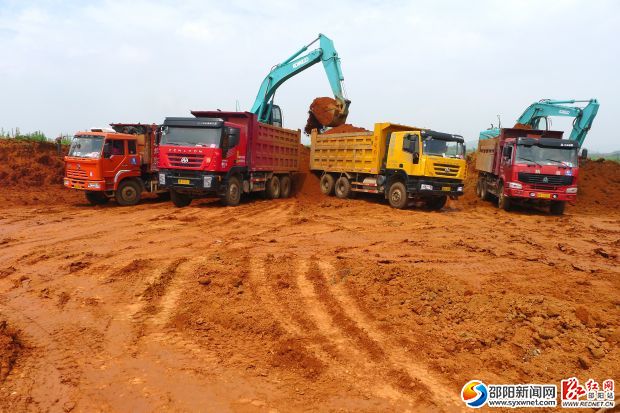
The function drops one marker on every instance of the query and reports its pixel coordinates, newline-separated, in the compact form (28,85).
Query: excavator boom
(297,63)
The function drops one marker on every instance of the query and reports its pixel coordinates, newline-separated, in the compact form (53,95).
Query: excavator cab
(275,118)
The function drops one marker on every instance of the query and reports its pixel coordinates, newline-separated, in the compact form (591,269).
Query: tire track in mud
(362,358)
(396,355)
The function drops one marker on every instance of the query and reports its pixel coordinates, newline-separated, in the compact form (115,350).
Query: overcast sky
(447,65)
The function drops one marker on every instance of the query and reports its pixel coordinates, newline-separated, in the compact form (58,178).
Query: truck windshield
(209,137)
(443,148)
(546,155)
(86,146)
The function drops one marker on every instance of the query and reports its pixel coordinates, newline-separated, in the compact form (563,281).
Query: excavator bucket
(327,112)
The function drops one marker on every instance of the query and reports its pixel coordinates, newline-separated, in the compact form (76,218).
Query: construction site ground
(304,304)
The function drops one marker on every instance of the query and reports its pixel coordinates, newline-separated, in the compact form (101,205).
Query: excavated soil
(303,304)
(346,128)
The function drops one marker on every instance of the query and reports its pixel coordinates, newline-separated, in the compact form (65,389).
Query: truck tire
(342,188)
(503,201)
(180,200)
(272,189)
(484,192)
(128,193)
(327,184)
(96,197)
(557,207)
(285,186)
(436,203)
(397,195)
(232,196)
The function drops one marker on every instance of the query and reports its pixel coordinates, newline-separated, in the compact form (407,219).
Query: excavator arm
(297,63)
(584,117)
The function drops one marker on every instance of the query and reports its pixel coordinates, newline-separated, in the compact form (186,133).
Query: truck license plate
(445,188)
(539,195)
(183,181)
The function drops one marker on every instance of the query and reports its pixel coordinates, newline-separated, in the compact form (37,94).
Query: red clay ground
(305,304)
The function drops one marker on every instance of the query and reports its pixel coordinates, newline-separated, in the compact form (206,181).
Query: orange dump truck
(118,163)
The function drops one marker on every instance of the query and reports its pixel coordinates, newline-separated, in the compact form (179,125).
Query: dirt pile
(31,173)
(346,128)
(599,185)
(306,183)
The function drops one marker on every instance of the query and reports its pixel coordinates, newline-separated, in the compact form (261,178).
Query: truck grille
(558,180)
(76,174)
(185,160)
(442,169)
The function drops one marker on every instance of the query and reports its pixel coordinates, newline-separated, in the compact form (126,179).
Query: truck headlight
(66,182)
(459,189)
(94,185)
(571,190)
(206,181)
(426,187)
(515,185)
(162,179)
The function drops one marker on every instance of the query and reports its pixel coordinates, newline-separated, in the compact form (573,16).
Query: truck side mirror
(584,154)
(107,149)
(415,148)
(233,137)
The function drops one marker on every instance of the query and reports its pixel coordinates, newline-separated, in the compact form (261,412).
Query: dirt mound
(31,173)
(307,183)
(599,185)
(9,349)
(346,128)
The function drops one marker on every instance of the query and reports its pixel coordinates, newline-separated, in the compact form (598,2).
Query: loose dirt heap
(346,128)
(32,173)
(599,185)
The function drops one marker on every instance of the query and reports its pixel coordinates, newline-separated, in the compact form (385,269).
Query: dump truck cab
(106,163)
(429,162)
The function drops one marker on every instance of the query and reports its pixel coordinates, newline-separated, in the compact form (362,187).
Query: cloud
(449,65)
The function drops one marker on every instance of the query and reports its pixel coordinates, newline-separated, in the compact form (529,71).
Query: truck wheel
(327,184)
(232,197)
(397,195)
(285,186)
(273,188)
(96,198)
(342,188)
(128,193)
(436,203)
(484,192)
(503,201)
(557,207)
(180,200)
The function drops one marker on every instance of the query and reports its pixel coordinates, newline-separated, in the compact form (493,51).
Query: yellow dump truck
(403,163)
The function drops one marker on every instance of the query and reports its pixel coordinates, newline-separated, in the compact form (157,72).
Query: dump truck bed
(274,149)
(354,152)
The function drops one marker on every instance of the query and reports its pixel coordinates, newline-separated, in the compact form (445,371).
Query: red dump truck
(119,163)
(226,154)
(528,166)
